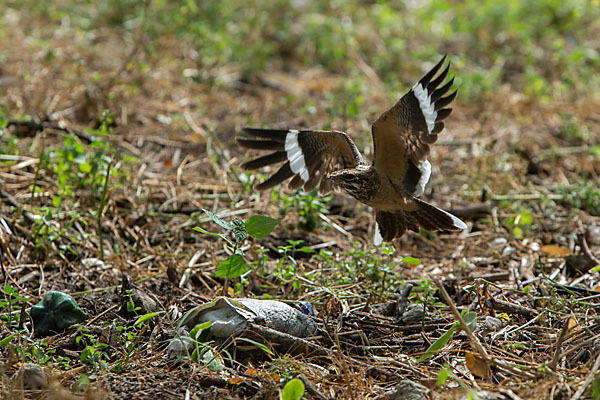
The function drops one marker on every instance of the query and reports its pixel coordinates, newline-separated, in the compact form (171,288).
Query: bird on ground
(393,183)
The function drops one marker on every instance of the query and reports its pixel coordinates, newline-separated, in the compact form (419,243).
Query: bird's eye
(348,177)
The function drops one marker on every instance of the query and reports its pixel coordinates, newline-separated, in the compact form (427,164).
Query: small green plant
(573,130)
(286,266)
(307,205)
(128,339)
(470,318)
(519,224)
(363,266)
(257,226)
(425,291)
(51,224)
(446,373)
(203,351)
(11,306)
(35,350)
(130,304)
(93,352)
(346,100)
(584,196)
(42,353)
(8,142)
(248,179)
(77,167)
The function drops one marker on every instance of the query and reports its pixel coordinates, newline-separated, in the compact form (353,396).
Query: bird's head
(355,181)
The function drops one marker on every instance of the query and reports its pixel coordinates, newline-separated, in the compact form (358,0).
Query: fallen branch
(505,306)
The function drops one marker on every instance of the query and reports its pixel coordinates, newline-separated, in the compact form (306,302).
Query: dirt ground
(523,174)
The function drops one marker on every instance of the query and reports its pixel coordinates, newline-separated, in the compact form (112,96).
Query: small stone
(498,241)
(406,390)
(508,250)
(164,119)
(493,324)
(34,377)
(414,313)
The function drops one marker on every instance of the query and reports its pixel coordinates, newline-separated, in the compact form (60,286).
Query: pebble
(34,377)
(492,323)
(498,241)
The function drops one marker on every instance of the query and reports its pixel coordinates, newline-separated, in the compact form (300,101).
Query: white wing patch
(457,222)
(378,239)
(294,154)
(427,107)
(425,168)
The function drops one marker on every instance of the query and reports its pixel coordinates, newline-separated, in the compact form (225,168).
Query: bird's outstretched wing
(402,134)
(307,156)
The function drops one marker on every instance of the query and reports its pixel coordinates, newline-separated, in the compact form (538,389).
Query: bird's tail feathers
(431,218)
(428,217)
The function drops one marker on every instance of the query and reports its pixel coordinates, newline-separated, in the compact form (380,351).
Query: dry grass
(511,154)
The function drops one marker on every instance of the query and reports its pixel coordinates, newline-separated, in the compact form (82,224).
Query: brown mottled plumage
(397,177)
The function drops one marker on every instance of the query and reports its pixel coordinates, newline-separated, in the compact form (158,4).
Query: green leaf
(259,226)
(197,330)
(526,218)
(438,344)
(596,389)
(6,340)
(293,390)
(56,200)
(470,318)
(146,317)
(443,376)
(518,232)
(85,167)
(595,150)
(217,220)
(411,261)
(305,249)
(201,230)
(353,109)
(255,343)
(232,267)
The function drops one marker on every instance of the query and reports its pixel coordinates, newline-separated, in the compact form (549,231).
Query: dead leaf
(235,381)
(478,366)
(573,327)
(276,377)
(553,250)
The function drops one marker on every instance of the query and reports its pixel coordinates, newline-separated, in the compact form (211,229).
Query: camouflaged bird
(395,179)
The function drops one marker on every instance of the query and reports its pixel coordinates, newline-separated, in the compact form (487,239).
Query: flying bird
(393,182)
